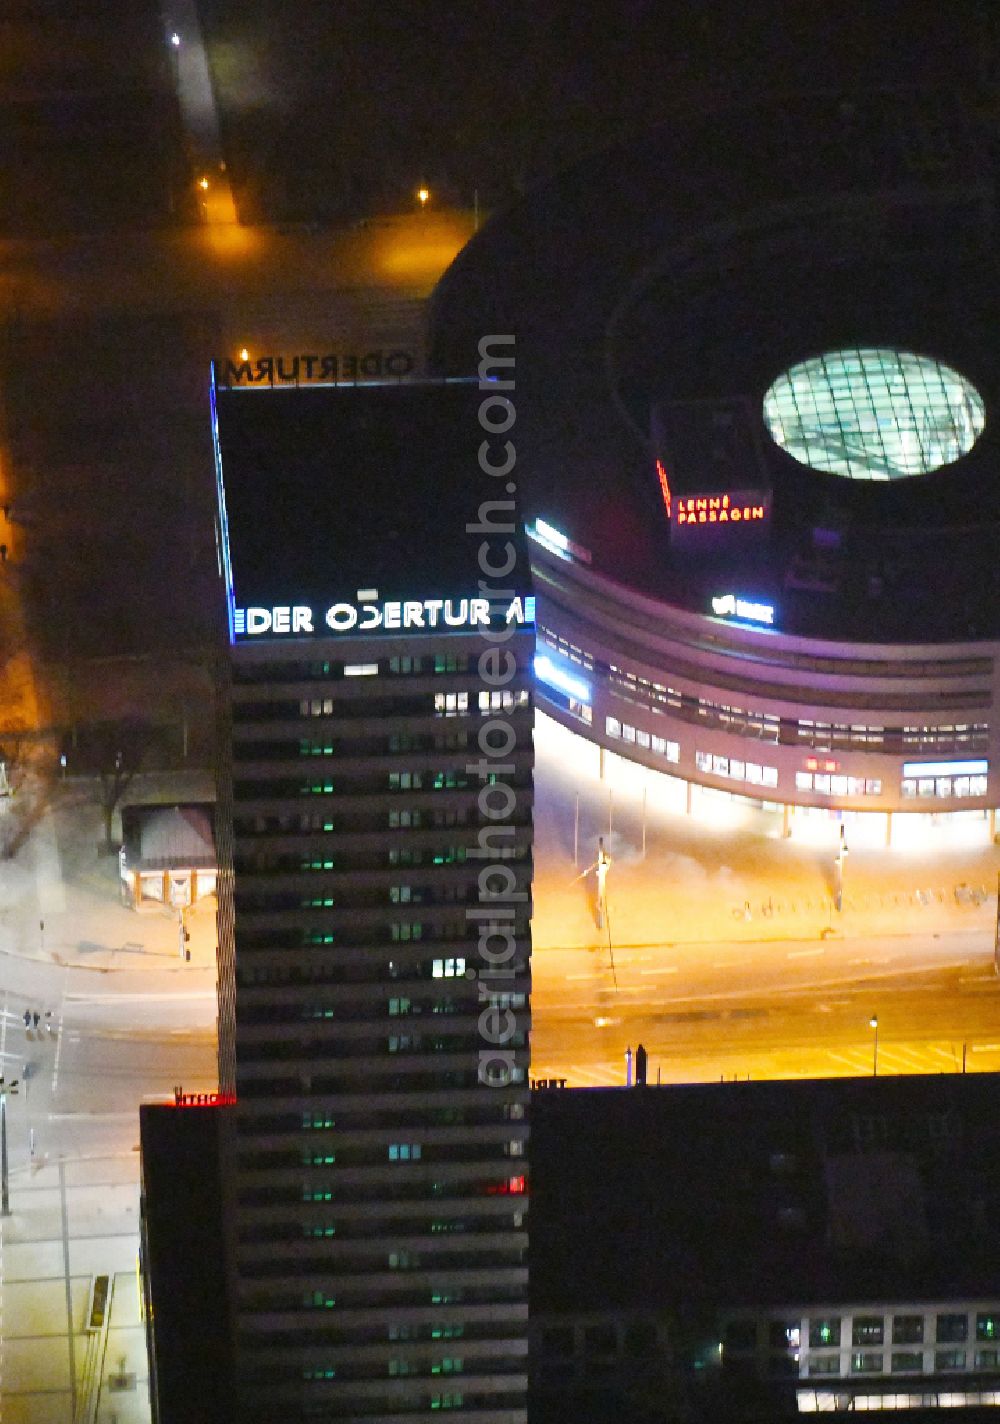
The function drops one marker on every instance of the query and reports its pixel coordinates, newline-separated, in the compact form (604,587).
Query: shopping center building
(758,398)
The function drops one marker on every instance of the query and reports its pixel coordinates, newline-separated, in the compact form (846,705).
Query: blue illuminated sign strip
(946,768)
(549,671)
(746,610)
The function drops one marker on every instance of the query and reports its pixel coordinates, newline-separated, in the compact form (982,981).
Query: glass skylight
(874,414)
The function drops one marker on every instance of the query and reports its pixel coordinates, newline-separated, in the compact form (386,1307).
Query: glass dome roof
(874,414)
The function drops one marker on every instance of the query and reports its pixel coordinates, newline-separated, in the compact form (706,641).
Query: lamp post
(873,1024)
(5,1088)
(842,853)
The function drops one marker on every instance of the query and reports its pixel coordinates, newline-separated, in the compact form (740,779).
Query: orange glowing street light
(203,184)
(423,194)
(244,354)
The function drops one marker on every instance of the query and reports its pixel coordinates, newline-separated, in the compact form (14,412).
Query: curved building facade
(758,382)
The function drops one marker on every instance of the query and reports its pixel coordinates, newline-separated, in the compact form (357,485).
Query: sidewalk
(694,882)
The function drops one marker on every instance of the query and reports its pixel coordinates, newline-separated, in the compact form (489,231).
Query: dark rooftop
(333,490)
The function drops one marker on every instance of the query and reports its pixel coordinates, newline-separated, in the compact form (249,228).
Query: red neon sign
(203,1100)
(664,486)
(718,509)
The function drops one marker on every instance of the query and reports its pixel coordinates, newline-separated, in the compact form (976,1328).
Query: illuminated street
(729,957)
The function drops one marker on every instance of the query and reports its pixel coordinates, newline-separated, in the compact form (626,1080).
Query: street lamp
(873,1024)
(5,1088)
(422,195)
(842,853)
(175,40)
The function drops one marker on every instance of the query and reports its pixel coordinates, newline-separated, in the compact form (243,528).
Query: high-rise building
(375,901)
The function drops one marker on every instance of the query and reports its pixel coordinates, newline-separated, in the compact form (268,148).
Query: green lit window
(320,1299)
(988,1327)
(447,1366)
(874,414)
(318,1159)
(317,1120)
(319,1374)
(319,1231)
(447,1401)
(825,1331)
(399,1006)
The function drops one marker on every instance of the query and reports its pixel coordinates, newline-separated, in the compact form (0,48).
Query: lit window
(404,1152)
(451,704)
(448,969)
(360,669)
(824,1331)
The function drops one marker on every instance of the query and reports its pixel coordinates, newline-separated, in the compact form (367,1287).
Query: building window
(404,1151)
(312,1119)
(988,1359)
(988,1327)
(448,662)
(502,701)
(824,1365)
(399,1006)
(451,704)
(404,820)
(943,786)
(361,669)
(783,1334)
(405,780)
(447,1401)
(866,1362)
(949,1360)
(448,969)
(316,707)
(403,1261)
(868,1330)
(952,1329)
(824,1331)
(907,1362)
(406,665)
(403,931)
(908,1330)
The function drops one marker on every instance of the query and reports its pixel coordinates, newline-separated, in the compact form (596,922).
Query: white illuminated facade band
(403,615)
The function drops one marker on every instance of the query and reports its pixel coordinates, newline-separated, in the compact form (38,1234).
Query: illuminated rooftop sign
(330,369)
(368,615)
(730,605)
(872,413)
(741,507)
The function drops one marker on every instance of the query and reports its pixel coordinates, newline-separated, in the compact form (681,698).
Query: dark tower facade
(374,905)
